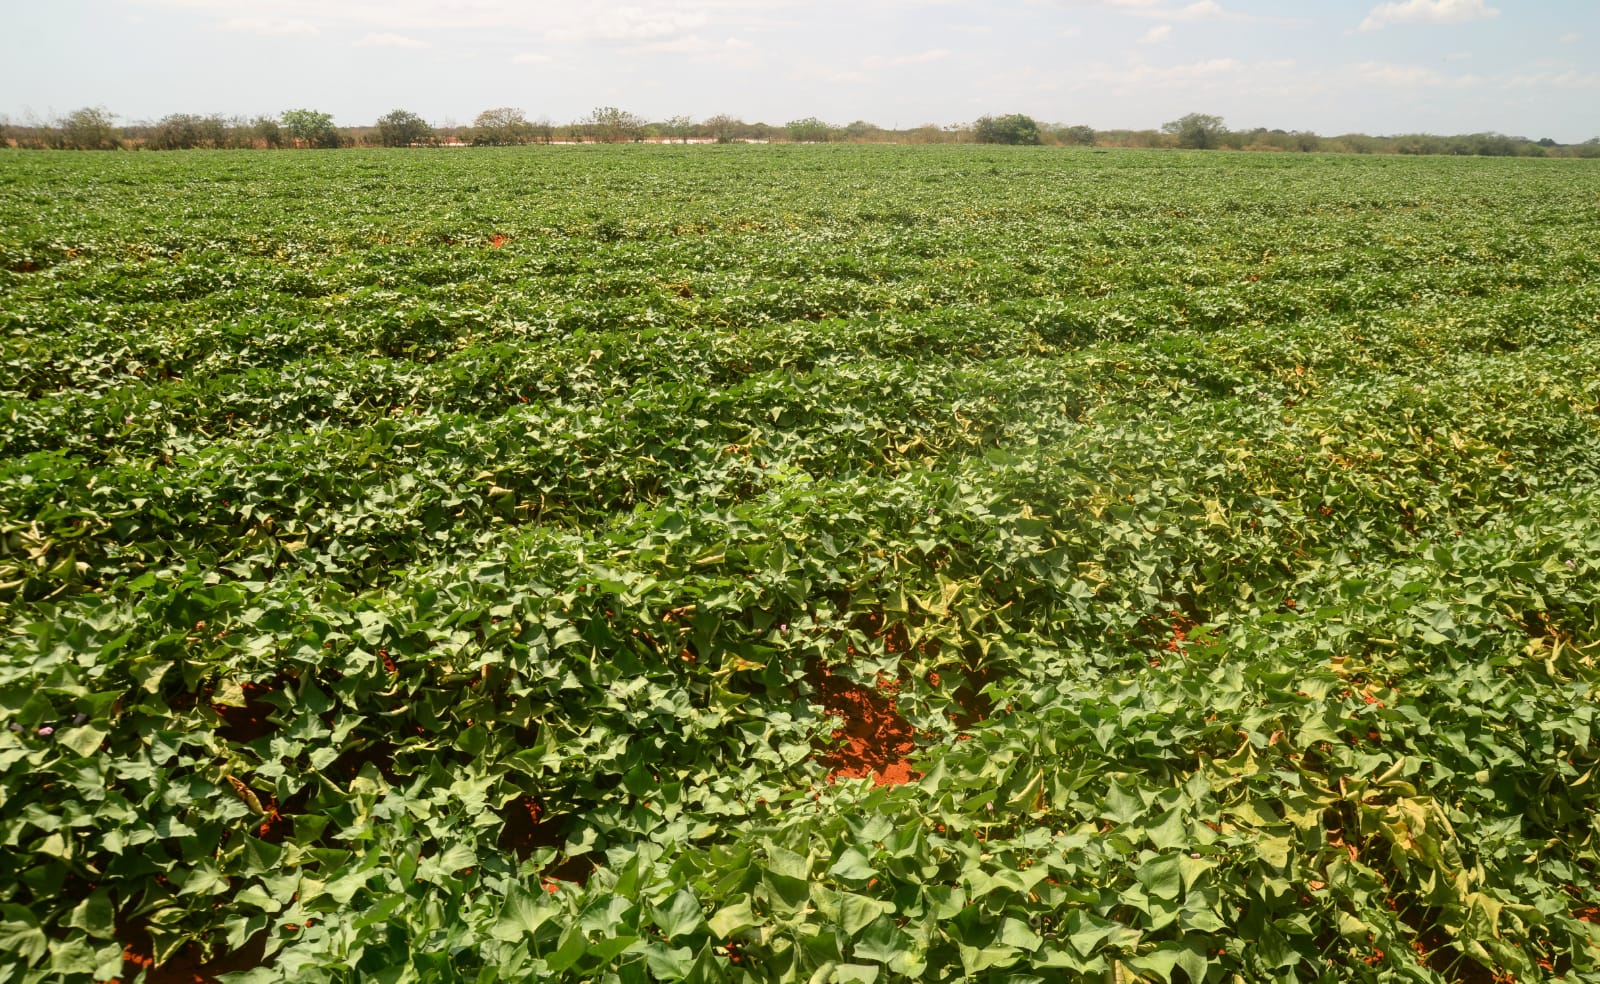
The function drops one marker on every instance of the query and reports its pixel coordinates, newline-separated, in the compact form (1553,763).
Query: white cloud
(531,58)
(838,76)
(1230,74)
(1566,79)
(1201,10)
(1409,76)
(1427,12)
(733,52)
(864,71)
(389,40)
(1571,37)
(268,25)
(1165,10)
(619,21)
(900,61)
(632,25)
(1157,34)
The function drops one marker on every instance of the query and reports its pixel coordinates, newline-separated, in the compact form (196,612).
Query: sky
(1523,67)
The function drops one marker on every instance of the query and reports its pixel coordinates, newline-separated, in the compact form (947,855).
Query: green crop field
(799,564)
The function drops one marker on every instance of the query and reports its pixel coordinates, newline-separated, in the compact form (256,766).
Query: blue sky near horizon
(1525,67)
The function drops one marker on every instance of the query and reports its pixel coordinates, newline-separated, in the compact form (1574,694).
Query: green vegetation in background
(96,128)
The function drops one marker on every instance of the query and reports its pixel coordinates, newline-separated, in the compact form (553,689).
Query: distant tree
(90,128)
(1078,136)
(501,126)
(722,128)
(266,132)
(178,131)
(185,131)
(402,128)
(236,133)
(861,130)
(309,128)
(677,128)
(1014,128)
(214,131)
(1492,145)
(608,124)
(809,130)
(1305,141)
(1197,131)
(1356,143)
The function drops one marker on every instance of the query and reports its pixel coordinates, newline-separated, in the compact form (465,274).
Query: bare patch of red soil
(876,739)
(497,240)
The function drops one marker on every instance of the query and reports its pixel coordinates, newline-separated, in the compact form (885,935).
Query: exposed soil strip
(876,739)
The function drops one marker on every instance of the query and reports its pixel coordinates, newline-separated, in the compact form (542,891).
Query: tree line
(95,128)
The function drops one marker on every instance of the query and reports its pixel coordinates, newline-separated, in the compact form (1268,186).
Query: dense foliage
(94,128)
(455,566)
(1014,128)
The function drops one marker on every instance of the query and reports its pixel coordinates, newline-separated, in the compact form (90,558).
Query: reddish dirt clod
(876,739)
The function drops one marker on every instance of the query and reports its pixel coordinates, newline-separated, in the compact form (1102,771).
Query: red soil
(497,240)
(876,739)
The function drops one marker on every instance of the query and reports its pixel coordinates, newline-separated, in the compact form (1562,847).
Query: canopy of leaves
(310,128)
(608,124)
(809,130)
(1197,131)
(1079,135)
(90,128)
(1014,128)
(403,128)
(502,126)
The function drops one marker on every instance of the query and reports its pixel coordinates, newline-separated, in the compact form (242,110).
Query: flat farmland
(798,564)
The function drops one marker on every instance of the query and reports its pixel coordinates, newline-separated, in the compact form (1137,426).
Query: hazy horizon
(1404,66)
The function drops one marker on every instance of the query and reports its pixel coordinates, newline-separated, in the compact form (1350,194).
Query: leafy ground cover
(798,564)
